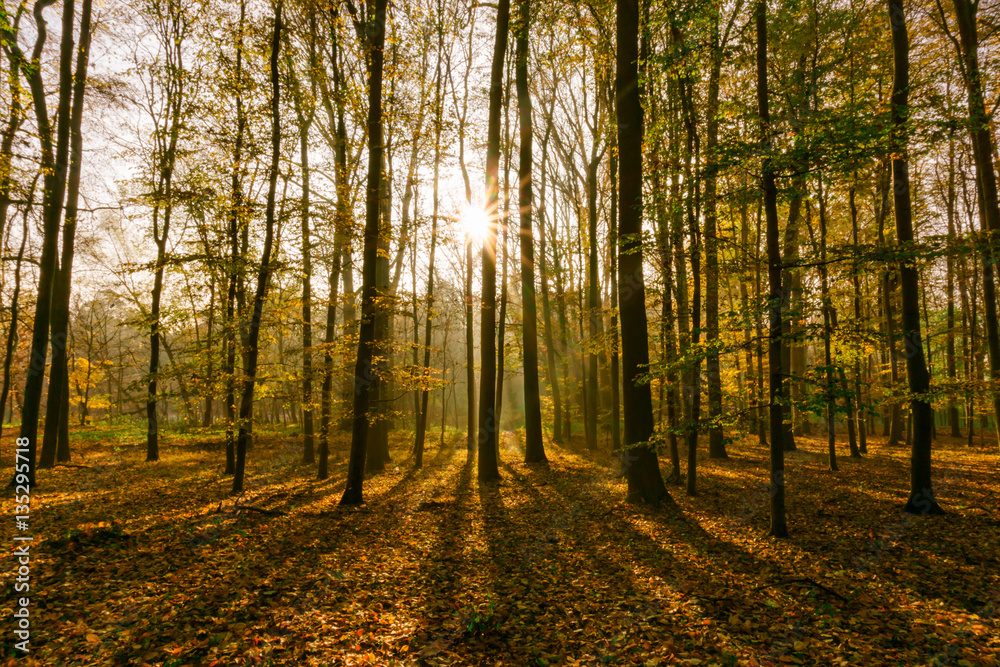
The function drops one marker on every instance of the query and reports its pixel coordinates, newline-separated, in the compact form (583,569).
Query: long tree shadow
(438,607)
(711,557)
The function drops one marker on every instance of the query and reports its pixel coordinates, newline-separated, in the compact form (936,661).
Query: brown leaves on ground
(139,563)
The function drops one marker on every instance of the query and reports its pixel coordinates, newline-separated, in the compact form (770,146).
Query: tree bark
(58,399)
(488,469)
(645,484)
(779,527)
(422,417)
(921,500)
(363,372)
(983,153)
(264,274)
(54,165)
(716,441)
(534,447)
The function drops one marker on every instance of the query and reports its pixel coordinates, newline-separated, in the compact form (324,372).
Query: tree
(54,165)
(921,500)
(488,458)
(172,22)
(264,273)
(777,392)
(983,151)
(423,415)
(55,440)
(371,33)
(534,448)
(645,484)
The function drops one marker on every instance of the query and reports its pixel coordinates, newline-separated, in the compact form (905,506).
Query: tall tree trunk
(828,389)
(341,233)
(264,274)
(983,153)
(505,246)
(236,222)
(15,309)
(54,165)
(534,447)
(921,500)
(206,419)
(859,321)
(616,417)
(594,306)
(645,484)
(363,372)
(488,469)
(716,442)
(305,119)
(163,204)
(58,399)
(779,527)
(692,156)
(950,198)
(550,348)
(422,417)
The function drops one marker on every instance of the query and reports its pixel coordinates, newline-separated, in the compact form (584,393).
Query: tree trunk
(534,447)
(422,416)
(859,321)
(59,309)
(54,165)
(488,469)
(828,390)
(341,233)
(645,483)
(983,153)
(236,222)
(921,500)
(305,121)
(14,311)
(363,372)
(716,441)
(779,527)
(264,274)
(550,348)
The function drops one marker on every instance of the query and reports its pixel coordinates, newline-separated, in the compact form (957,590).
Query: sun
(475,222)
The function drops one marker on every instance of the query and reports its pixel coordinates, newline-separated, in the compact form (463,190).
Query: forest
(480,332)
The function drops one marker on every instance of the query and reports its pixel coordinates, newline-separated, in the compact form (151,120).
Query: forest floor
(137,563)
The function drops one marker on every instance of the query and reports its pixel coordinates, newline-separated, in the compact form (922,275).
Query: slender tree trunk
(534,447)
(54,165)
(594,306)
(341,233)
(716,441)
(828,389)
(645,484)
(264,274)
(950,198)
(422,417)
(921,500)
(236,221)
(550,348)
(488,469)
(15,309)
(308,444)
(363,372)
(206,419)
(983,153)
(58,399)
(779,527)
(859,320)
(505,246)
(616,416)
